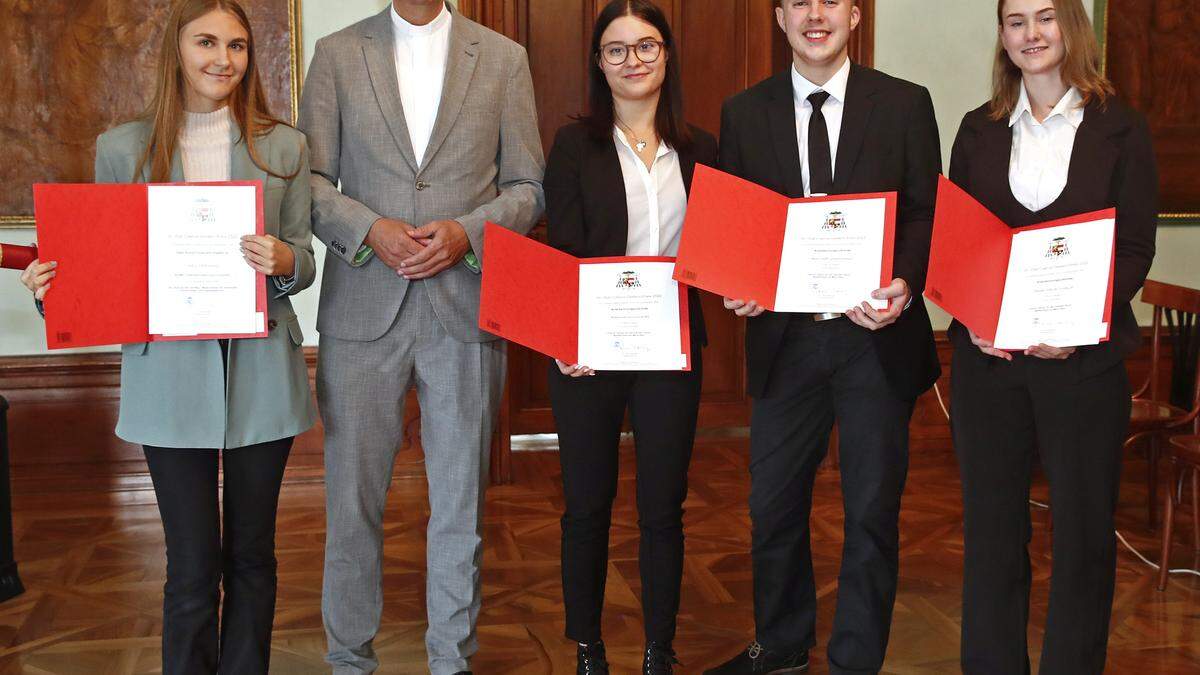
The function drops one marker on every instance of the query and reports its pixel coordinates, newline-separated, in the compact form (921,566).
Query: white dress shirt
(801,90)
(655,198)
(1041,151)
(421,69)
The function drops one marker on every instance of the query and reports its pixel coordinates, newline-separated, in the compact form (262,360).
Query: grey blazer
(175,394)
(484,162)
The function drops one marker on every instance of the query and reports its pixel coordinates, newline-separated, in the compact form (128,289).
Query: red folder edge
(685,324)
(97,234)
(530,294)
(742,263)
(968,242)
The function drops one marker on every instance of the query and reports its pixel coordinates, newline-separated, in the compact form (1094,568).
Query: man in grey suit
(427,122)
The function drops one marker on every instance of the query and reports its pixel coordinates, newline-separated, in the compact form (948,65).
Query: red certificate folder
(733,235)
(530,295)
(969,256)
(98,235)
(17,257)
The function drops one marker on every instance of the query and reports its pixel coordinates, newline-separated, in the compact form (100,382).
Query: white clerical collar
(1070,106)
(835,87)
(405,29)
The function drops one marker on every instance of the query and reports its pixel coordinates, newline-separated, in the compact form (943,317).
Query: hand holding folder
(1049,283)
(821,254)
(605,313)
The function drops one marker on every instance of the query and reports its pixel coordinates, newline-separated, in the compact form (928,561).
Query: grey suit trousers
(361,388)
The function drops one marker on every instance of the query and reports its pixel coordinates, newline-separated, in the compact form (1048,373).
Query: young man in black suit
(830,126)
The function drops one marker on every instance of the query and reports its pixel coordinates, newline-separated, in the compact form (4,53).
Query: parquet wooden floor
(93,565)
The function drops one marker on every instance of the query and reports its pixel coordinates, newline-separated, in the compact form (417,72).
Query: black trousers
(1002,414)
(827,372)
(588,413)
(201,562)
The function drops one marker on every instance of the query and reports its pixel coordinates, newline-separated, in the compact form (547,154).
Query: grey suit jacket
(484,162)
(176,394)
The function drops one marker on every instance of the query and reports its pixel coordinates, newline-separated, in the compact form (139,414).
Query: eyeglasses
(616,53)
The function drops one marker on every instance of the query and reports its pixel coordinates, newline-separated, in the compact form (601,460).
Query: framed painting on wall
(72,69)
(1151,57)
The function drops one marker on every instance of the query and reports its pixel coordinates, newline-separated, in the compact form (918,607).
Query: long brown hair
(247,103)
(668,119)
(1080,67)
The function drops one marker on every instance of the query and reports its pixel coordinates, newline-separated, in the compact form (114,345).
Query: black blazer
(586,211)
(889,141)
(1112,165)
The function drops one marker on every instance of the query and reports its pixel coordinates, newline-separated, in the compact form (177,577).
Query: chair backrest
(1179,306)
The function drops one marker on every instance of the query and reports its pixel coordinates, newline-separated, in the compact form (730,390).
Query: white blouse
(655,199)
(1041,151)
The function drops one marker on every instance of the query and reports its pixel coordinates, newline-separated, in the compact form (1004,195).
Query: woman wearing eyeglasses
(616,184)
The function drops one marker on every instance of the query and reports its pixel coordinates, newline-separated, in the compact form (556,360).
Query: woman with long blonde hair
(196,404)
(1053,142)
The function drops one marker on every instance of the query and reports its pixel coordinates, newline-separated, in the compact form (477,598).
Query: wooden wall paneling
(64,408)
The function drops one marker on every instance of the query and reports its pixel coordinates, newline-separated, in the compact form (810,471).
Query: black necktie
(820,166)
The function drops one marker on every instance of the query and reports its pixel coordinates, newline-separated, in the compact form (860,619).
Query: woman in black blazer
(616,184)
(1053,142)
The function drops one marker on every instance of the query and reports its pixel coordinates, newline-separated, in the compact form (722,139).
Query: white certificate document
(629,317)
(832,256)
(199,282)
(1057,286)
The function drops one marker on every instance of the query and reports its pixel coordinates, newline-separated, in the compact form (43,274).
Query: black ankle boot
(590,659)
(659,659)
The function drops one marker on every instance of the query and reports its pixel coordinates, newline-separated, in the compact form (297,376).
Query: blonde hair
(1080,68)
(247,103)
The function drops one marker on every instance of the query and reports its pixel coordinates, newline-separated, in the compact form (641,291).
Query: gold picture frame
(292,42)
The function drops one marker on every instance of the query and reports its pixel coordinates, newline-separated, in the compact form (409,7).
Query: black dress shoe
(590,659)
(756,660)
(659,659)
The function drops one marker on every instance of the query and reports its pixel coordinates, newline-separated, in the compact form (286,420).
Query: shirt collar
(1070,107)
(835,87)
(405,29)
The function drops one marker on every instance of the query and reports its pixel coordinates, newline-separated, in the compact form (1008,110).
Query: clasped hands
(418,252)
(897,293)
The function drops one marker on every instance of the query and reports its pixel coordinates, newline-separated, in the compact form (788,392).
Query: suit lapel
(460,66)
(1094,153)
(611,181)
(241,165)
(781,125)
(855,117)
(379,49)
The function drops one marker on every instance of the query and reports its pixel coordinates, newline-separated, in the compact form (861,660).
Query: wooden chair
(1184,455)
(1155,414)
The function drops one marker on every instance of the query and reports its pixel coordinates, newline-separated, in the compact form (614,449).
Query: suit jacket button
(421,185)
(271,324)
